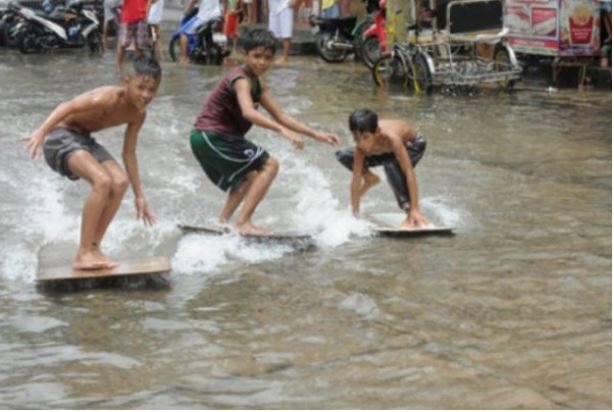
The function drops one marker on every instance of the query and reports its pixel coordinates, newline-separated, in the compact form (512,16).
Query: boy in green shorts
(232,162)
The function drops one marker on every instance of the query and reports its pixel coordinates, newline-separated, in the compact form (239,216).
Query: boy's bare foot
(251,229)
(282,61)
(370,180)
(109,264)
(88,261)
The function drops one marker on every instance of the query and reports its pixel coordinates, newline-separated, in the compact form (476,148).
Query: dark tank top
(221,112)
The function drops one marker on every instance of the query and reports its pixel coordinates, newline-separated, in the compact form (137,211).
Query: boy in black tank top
(218,141)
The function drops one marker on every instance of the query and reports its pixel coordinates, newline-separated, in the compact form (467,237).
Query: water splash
(198,254)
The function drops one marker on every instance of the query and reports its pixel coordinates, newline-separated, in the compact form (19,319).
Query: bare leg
(283,60)
(369,180)
(158,46)
(183,44)
(105,28)
(235,197)
(119,184)
(260,184)
(83,164)
(120,57)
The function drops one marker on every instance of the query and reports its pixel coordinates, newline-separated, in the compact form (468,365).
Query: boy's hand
(143,212)
(330,138)
(33,144)
(294,137)
(415,219)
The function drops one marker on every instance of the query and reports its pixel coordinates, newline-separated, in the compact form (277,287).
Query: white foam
(439,210)
(204,254)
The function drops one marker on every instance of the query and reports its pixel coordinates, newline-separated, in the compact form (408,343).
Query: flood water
(512,312)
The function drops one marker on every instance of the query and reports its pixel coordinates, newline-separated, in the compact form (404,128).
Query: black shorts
(61,143)
(394,174)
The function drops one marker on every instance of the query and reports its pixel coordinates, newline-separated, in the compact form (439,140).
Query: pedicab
(458,43)
(564,32)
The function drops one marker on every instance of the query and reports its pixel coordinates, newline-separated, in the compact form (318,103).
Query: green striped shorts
(226,159)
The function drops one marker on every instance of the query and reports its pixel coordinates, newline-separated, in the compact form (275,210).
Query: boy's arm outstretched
(132,169)
(415,218)
(244,97)
(269,103)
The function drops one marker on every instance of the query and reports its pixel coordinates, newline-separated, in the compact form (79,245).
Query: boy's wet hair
(146,66)
(363,120)
(254,38)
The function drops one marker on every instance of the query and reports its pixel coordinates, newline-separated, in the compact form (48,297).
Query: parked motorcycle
(207,45)
(9,25)
(75,26)
(337,38)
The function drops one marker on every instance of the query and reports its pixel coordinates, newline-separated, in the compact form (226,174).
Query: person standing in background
(231,22)
(281,19)
(156,11)
(112,8)
(133,29)
(250,12)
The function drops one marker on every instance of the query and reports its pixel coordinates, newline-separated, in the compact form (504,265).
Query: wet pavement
(512,312)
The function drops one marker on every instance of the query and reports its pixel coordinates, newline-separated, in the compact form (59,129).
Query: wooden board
(387,224)
(294,239)
(132,267)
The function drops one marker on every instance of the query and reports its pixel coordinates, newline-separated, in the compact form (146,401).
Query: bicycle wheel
(389,69)
(420,79)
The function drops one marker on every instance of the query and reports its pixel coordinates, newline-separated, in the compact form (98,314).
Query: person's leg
(183,44)
(159,50)
(398,184)
(105,29)
(235,197)
(285,32)
(122,42)
(259,183)
(82,164)
(395,175)
(119,185)
(346,158)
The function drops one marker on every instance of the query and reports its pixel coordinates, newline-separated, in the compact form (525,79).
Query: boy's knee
(120,184)
(272,163)
(102,182)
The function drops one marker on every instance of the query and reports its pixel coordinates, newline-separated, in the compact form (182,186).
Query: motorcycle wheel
(389,70)
(328,55)
(214,55)
(371,51)
(94,43)
(174,49)
(27,42)
(420,79)
(11,35)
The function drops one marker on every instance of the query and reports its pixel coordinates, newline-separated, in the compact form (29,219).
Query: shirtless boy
(69,149)
(232,162)
(391,143)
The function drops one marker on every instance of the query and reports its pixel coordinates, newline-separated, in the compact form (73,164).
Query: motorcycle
(73,27)
(337,38)
(9,25)
(207,45)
